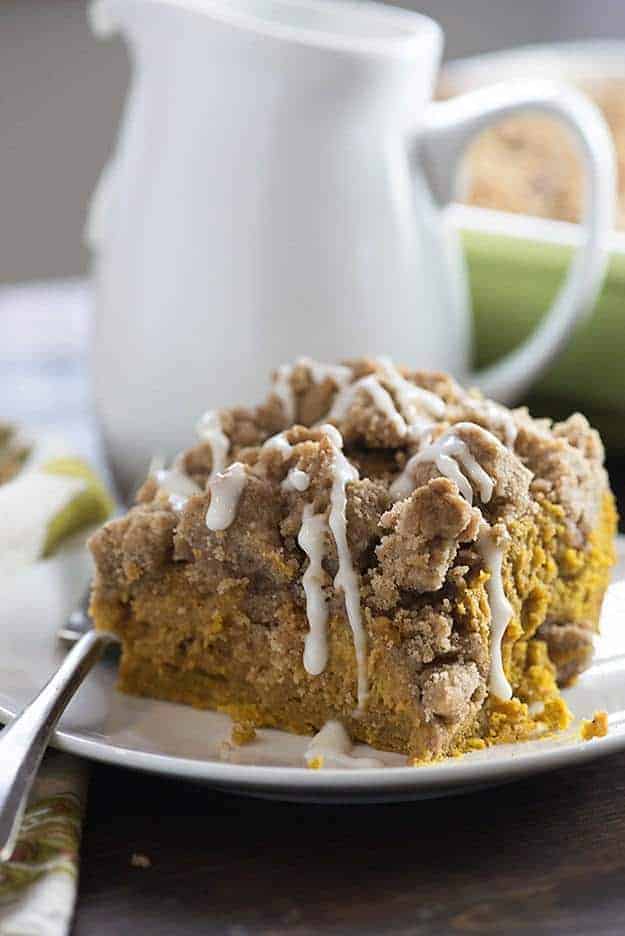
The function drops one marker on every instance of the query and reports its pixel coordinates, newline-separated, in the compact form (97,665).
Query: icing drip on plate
(500,609)
(209,429)
(332,747)
(226,489)
(311,538)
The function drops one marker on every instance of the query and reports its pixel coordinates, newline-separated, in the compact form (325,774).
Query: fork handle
(24,741)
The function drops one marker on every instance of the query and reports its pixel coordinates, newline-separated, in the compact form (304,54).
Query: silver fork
(24,741)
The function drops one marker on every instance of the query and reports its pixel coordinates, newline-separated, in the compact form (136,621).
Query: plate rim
(443,776)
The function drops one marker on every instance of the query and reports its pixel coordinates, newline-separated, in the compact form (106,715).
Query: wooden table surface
(545,855)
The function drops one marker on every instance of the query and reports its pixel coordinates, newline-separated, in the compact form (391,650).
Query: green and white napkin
(50,498)
(38,884)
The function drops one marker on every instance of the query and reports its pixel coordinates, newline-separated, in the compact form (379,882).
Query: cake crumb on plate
(139,860)
(242,733)
(597,727)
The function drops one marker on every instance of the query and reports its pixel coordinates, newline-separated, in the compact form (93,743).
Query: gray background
(61,91)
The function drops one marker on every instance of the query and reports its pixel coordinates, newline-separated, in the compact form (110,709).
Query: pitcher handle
(450,125)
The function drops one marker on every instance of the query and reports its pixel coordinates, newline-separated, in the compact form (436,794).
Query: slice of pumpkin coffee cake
(370,545)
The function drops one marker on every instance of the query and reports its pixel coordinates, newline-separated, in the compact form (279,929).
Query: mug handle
(448,127)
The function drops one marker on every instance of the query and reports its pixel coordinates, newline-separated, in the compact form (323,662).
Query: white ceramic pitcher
(277,189)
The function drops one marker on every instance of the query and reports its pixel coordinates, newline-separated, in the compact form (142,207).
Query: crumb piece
(567,463)
(427,761)
(135,545)
(139,860)
(242,733)
(510,477)
(448,690)
(597,727)
(315,763)
(511,721)
(570,647)
(554,717)
(225,750)
(424,533)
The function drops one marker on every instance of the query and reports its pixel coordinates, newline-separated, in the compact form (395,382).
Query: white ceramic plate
(171,739)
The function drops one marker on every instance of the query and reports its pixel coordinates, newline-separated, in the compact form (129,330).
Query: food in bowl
(371,546)
(529,164)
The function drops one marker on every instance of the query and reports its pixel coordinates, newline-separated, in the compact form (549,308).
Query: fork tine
(78,622)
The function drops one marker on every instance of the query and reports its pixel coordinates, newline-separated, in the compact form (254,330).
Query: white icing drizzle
(405,415)
(157,463)
(284,391)
(283,387)
(280,443)
(381,398)
(500,609)
(404,483)
(497,413)
(332,747)
(209,430)
(448,453)
(409,397)
(311,539)
(346,579)
(296,480)
(226,488)
(178,485)
(335,437)
(338,373)
(173,481)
